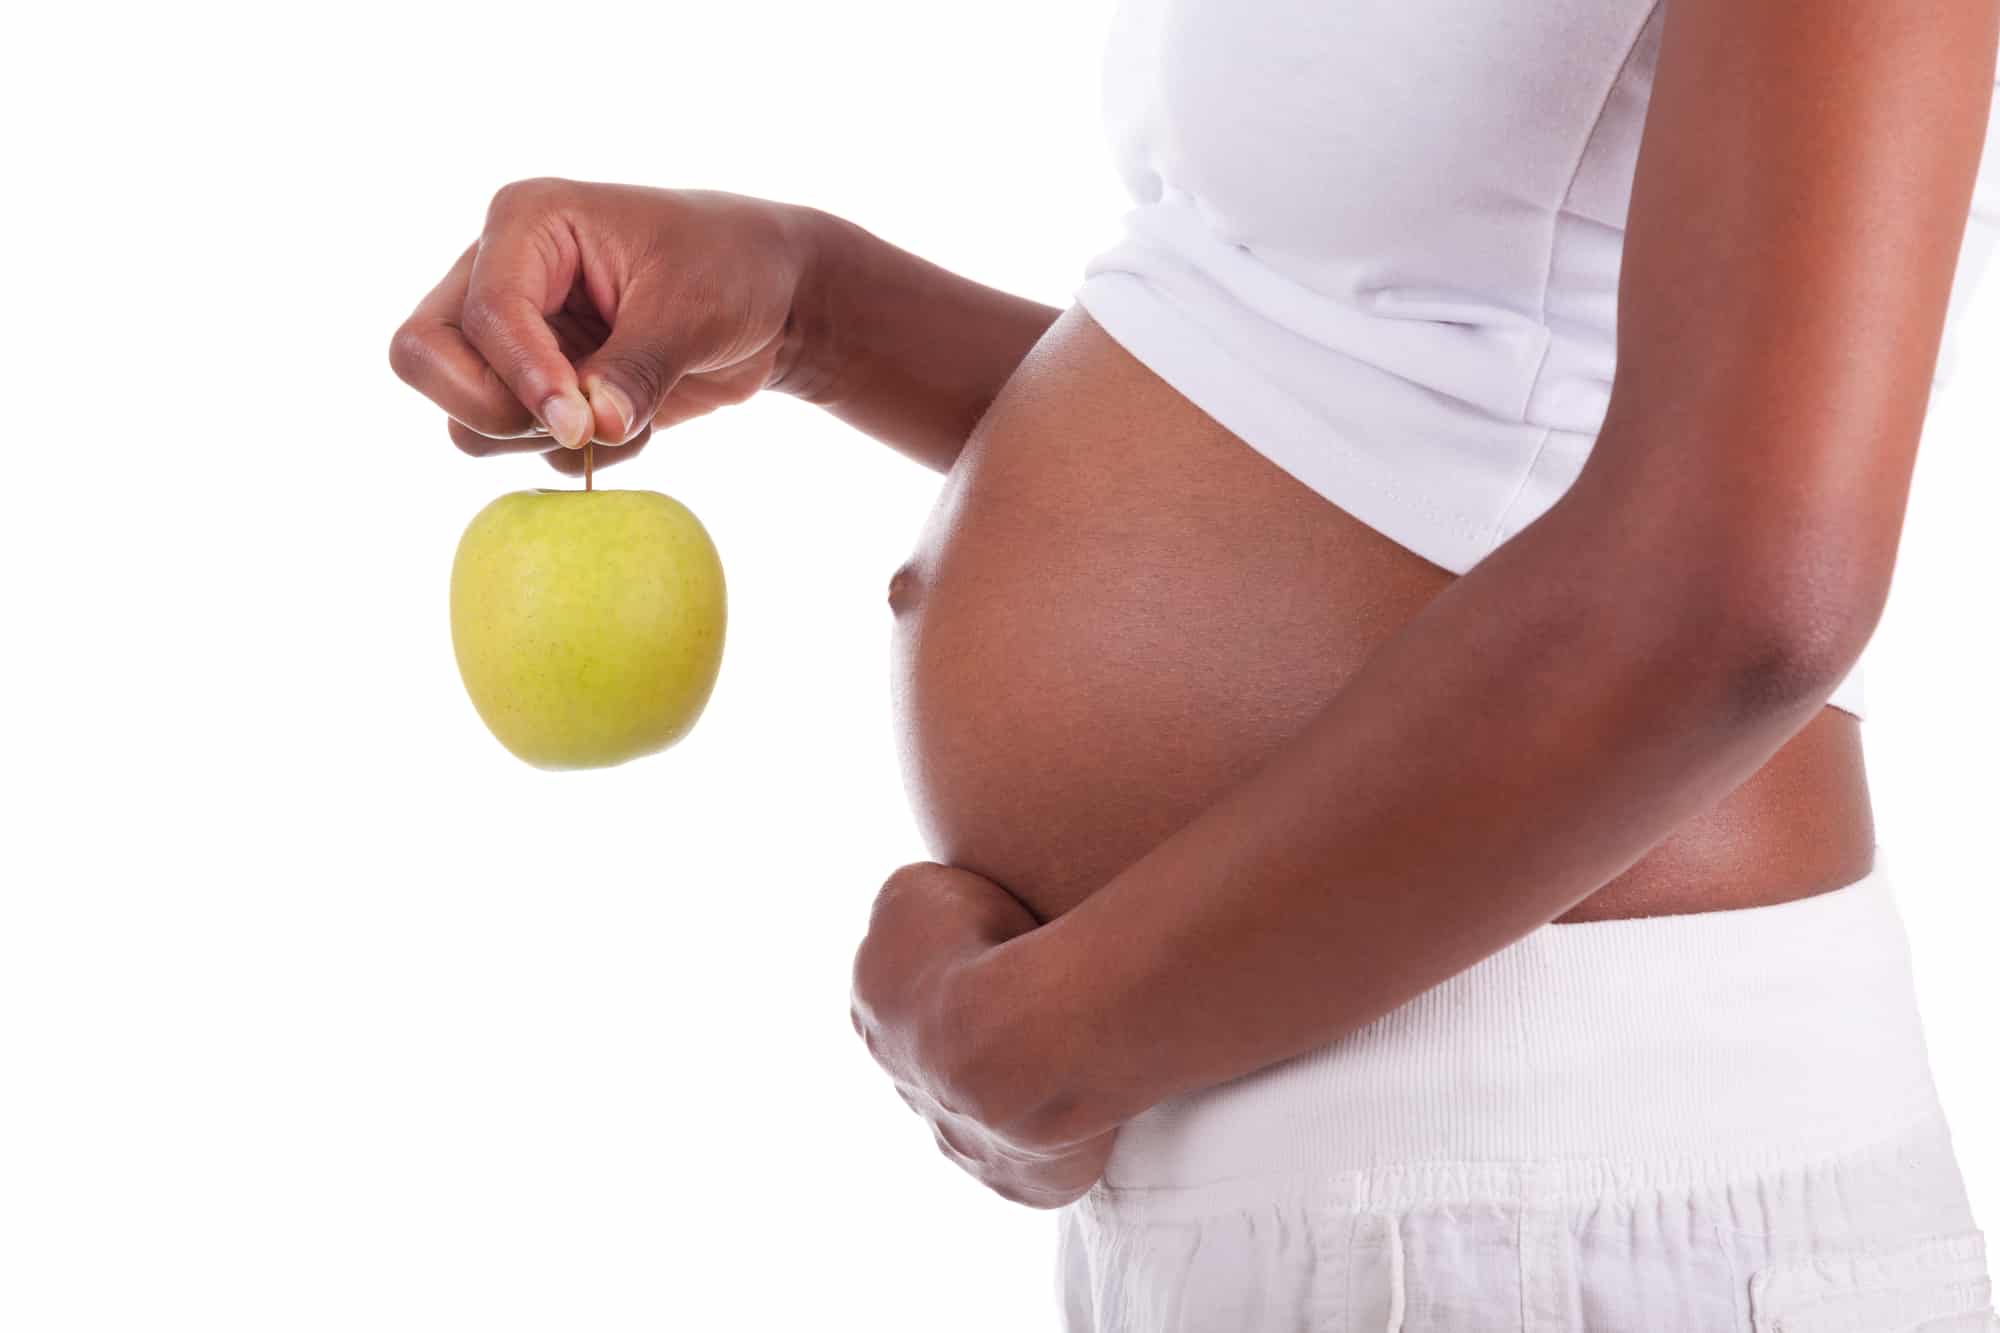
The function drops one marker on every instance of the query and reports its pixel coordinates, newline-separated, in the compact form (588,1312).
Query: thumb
(631,373)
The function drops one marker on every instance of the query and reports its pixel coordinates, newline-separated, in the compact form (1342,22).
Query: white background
(317,1010)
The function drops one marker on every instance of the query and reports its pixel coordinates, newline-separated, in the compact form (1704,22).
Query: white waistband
(1594,1055)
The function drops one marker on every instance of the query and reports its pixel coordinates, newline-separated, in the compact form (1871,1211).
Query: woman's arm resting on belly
(1621,664)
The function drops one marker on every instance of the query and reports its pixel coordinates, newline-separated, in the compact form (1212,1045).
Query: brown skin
(1251,774)
(639,309)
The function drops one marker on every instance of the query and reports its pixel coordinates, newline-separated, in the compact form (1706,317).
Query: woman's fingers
(573,318)
(481,445)
(521,274)
(949,1145)
(430,353)
(1043,1187)
(569,462)
(562,324)
(653,342)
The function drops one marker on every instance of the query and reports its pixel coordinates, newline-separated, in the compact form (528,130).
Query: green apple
(587,624)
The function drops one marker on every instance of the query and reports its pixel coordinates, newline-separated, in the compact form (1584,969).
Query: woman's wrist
(812,243)
(895,346)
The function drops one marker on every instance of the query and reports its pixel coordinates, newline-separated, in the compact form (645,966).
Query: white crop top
(1380,241)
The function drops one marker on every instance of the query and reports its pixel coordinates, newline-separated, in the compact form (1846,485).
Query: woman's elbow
(1791,627)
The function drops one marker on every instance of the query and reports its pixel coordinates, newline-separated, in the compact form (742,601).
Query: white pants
(1722,1122)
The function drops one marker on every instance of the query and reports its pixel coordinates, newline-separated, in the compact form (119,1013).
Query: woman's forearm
(896,346)
(1525,738)
(1624,661)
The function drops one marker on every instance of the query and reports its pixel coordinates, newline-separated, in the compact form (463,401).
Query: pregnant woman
(1382,680)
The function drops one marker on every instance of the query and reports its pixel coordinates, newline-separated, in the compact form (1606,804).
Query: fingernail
(568,418)
(611,404)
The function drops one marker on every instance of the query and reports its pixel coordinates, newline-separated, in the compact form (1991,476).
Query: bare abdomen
(1118,609)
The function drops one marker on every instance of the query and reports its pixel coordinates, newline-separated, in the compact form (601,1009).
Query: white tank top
(1380,242)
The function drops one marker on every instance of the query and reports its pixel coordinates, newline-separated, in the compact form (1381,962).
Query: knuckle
(409,352)
(900,885)
(909,878)
(532,192)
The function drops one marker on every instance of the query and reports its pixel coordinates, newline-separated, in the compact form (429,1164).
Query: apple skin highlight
(588,625)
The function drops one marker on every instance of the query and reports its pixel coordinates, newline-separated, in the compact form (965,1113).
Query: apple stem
(586,465)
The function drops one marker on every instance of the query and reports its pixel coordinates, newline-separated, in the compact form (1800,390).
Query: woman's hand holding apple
(598,312)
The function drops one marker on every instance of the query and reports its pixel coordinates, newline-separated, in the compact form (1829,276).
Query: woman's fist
(597,312)
(963,1038)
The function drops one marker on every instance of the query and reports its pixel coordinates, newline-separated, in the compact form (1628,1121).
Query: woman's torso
(1118,609)
(1359,330)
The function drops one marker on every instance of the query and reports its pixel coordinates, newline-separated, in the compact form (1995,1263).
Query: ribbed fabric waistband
(1600,1055)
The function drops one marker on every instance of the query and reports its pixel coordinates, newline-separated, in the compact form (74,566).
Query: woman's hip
(1683,1122)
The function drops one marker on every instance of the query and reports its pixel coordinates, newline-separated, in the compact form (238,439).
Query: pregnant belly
(1117,610)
